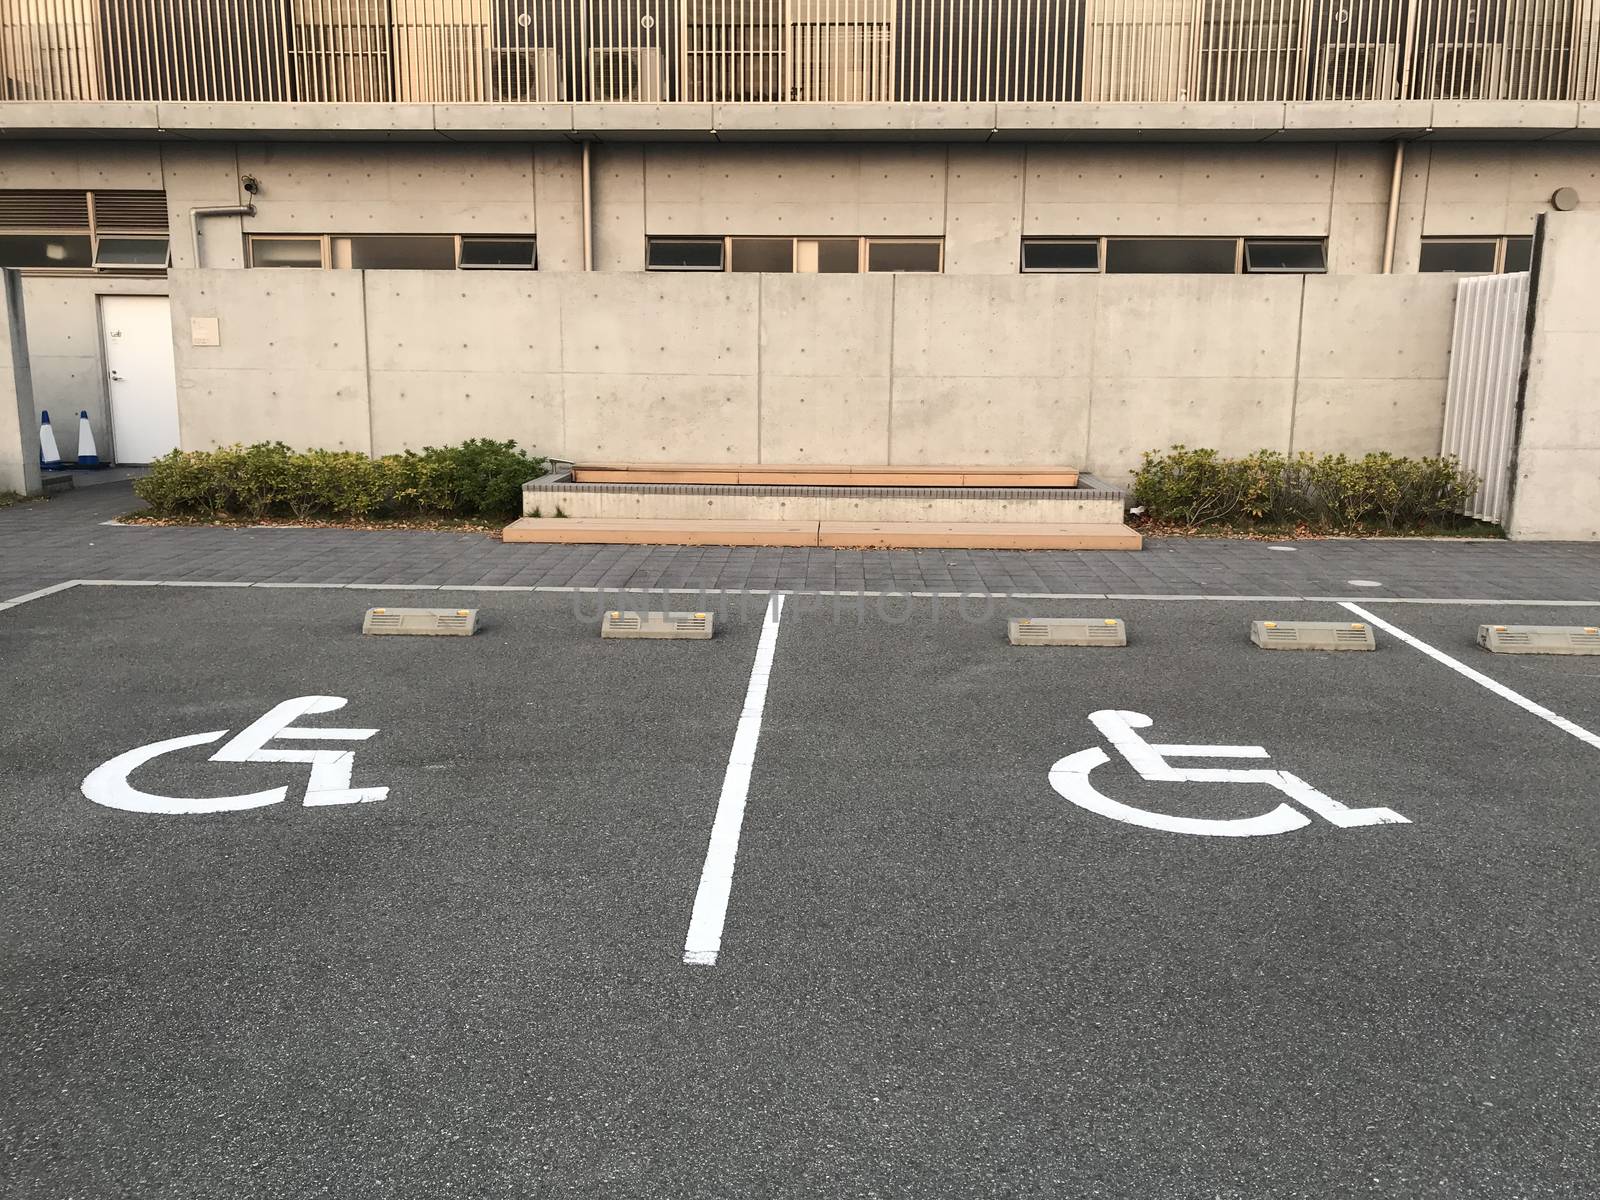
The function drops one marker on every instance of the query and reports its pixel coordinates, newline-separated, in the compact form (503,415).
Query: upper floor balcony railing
(797,51)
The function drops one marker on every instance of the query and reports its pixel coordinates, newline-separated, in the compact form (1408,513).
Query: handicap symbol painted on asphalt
(108,783)
(1070,778)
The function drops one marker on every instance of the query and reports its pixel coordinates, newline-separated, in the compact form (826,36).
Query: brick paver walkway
(64,538)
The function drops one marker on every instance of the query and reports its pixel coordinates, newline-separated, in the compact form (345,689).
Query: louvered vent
(44,209)
(687,626)
(130,210)
(1540,639)
(1312,635)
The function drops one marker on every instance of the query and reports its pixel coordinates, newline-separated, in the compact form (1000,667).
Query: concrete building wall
(787,368)
(1556,489)
(982,198)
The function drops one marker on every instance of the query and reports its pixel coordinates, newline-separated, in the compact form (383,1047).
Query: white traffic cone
(49,456)
(87,457)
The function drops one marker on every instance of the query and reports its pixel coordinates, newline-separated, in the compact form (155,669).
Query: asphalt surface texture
(938,977)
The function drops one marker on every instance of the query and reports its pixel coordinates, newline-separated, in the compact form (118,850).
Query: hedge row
(1331,492)
(479,478)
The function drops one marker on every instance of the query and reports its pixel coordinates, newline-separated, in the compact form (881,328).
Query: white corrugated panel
(1481,400)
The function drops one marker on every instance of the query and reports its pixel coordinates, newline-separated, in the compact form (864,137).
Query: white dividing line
(42,592)
(704,941)
(1461,668)
(1206,597)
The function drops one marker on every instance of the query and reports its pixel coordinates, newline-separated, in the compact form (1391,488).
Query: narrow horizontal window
(904,256)
(1466,256)
(130,252)
(1171,256)
(1519,254)
(1061,254)
(498,254)
(761,254)
(385,252)
(684,254)
(285,252)
(828,256)
(54,251)
(1281,256)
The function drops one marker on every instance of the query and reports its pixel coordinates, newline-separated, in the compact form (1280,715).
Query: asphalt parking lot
(937,974)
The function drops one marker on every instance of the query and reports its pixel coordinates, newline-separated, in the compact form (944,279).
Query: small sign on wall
(205,331)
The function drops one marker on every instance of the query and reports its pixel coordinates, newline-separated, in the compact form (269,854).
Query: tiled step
(826,476)
(863,535)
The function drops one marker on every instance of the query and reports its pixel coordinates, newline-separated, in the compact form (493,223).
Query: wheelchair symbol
(1070,778)
(108,783)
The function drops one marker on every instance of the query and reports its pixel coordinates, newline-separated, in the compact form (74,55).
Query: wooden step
(844,535)
(977,535)
(826,476)
(661,531)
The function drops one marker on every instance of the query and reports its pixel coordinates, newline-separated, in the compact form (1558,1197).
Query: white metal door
(143,385)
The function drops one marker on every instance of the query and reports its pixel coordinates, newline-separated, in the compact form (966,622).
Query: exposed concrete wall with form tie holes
(981,198)
(1085,371)
(1556,488)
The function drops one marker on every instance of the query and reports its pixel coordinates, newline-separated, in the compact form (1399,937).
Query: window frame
(322,240)
(92,230)
(1496,240)
(462,239)
(326,240)
(867,243)
(122,268)
(1099,244)
(864,244)
(1247,241)
(669,239)
(1240,253)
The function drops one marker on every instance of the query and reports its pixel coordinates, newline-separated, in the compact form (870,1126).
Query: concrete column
(19,439)
(1556,466)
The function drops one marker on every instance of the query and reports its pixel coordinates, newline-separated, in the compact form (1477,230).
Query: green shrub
(480,478)
(1330,492)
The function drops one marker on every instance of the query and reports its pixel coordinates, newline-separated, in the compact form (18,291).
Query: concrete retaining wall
(1087,371)
(1556,493)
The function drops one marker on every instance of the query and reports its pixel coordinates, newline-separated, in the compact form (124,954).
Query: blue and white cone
(87,457)
(49,456)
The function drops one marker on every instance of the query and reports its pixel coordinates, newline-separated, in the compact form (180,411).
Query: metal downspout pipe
(230,210)
(588,213)
(1394,207)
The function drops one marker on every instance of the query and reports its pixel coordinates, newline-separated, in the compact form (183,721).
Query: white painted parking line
(704,941)
(49,591)
(1205,597)
(1495,686)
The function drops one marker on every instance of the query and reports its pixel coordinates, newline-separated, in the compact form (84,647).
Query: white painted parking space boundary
(1461,668)
(42,592)
(704,940)
(1212,597)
